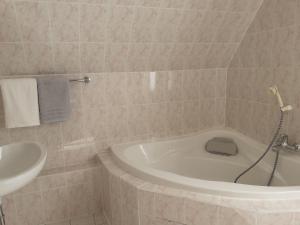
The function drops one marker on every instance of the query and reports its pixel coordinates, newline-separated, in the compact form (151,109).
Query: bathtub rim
(219,188)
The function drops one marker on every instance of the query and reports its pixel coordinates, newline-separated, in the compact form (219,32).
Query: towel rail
(83,80)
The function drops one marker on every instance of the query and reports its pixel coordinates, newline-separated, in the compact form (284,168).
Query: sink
(20,163)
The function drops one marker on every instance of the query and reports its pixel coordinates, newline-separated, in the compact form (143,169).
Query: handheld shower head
(275,91)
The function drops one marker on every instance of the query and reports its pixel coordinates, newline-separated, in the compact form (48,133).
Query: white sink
(20,163)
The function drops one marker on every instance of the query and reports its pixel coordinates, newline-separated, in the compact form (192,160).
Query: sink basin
(20,163)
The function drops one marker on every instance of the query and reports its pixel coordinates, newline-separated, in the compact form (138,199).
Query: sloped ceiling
(120,35)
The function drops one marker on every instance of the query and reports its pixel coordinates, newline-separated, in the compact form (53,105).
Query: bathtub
(184,163)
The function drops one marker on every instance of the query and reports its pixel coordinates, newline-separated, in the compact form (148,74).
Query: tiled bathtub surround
(138,202)
(39,37)
(269,54)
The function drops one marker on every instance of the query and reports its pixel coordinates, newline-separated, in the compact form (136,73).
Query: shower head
(275,91)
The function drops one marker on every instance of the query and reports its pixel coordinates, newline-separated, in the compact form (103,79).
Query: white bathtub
(184,163)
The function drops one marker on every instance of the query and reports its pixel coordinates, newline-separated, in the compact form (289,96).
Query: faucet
(282,143)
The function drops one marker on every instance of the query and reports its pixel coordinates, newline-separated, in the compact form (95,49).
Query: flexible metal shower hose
(265,153)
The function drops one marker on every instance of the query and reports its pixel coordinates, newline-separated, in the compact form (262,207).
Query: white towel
(20,102)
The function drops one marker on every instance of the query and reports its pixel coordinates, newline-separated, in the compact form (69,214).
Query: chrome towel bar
(83,80)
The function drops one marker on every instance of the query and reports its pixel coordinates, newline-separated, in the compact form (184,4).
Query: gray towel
(221,145)
(54,99)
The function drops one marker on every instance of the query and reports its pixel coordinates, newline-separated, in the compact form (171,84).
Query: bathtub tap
(282,143)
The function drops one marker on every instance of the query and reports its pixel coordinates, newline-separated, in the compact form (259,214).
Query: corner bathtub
(184,163)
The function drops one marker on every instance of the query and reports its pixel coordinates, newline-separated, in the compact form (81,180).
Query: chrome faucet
(282,143)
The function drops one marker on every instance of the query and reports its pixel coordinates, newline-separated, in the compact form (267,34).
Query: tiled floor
(91,220)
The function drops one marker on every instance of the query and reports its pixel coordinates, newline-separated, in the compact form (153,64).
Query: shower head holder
(283,108)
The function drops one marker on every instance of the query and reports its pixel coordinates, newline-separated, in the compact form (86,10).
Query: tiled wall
(42,37)
(118,107)
(124,36)
(59,37)
(67,198)
(269,54)
(189,42)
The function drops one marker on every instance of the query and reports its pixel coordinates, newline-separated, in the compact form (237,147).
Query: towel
(20,102)
(223,146)
(54,99)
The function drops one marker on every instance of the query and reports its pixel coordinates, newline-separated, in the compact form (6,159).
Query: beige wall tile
(202,213)
(9,30)
(83,221)
(115,90)
(157,85)
(96,130)
(208,83)
(116,57)
(230,216)
(169,207)
(138,57)
(50,136)
(277,218)
(175,87)
(120,23)
(66,58)
(166,29)
(149,3)
(56,207)
(144,23)
(117,122)
(197,56)
(38,58)
(92,56)
(95,91)
(191,113)
(209,27)
(65,22)
(179,56)
(8,204)
(190,84)
(93,20)
(137,88)
(219,4)
(174,118)
(79,155)
(173,3)
(54,160)
(138,120)
(157,119)
(188,26)
(29,215)
(11,59)
(72,129)
(34,21)
(207,115)
(160,57)
(197,4)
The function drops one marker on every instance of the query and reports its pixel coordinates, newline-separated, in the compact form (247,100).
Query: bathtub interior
(187,157)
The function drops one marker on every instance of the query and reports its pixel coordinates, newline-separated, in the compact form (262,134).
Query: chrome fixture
(282,143)
(283,108)
(276,137)
(83,80)
(2,217)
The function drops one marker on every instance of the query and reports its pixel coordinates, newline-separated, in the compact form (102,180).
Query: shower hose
(265,153)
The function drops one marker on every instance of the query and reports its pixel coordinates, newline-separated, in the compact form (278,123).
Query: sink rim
(41,159)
